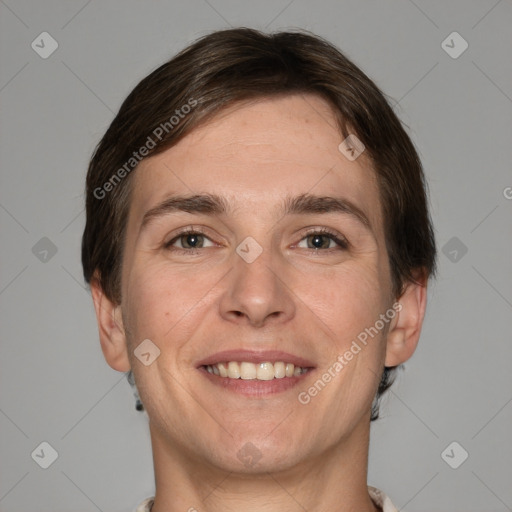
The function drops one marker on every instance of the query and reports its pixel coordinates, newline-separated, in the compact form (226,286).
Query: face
(280,258)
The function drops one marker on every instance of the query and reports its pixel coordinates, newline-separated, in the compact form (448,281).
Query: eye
(189,240)
(322,239)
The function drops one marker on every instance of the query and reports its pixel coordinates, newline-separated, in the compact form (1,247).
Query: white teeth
(279,370)
(223,369)
(233,370)
(251,371)
(247,371)
(265,371)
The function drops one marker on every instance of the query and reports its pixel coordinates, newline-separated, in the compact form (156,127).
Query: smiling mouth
(255,371)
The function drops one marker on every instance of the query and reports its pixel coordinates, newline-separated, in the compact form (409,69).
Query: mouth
(253,373)
(246,370)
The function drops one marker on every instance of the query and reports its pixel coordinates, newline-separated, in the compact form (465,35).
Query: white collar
(378,497)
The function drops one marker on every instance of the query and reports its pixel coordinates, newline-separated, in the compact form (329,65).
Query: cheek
(347,301)
(161,301)
(348,306)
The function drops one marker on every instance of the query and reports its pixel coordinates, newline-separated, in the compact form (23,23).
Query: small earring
(131,381)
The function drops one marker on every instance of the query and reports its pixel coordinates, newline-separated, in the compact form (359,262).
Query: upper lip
(255,356)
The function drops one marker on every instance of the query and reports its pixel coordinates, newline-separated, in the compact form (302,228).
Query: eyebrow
(212,204)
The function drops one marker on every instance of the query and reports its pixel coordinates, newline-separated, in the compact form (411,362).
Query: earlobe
(404,334)
(111,329)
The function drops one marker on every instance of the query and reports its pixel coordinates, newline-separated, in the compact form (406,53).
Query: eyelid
(334,235)
(338,238)
(190,230)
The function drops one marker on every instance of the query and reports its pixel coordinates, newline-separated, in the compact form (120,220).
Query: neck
(333,480)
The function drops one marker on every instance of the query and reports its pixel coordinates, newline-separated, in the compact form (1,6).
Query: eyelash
(187,231)
(341,241)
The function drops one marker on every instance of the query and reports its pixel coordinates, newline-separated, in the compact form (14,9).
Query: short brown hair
(230,66)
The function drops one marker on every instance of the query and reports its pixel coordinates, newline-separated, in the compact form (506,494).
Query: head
(240,125)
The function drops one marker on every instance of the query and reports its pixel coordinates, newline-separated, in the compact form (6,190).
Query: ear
(111,329)
(404,333)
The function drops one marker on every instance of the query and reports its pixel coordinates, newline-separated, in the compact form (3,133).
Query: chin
(253,454)
(250,461)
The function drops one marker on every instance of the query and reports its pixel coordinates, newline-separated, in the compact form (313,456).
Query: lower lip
(254,387)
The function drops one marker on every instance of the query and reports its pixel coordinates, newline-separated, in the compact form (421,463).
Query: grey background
(55,384)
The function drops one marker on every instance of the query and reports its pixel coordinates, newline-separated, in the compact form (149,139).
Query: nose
(257,293)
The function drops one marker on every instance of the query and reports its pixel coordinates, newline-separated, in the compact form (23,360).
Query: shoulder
(146,505)
(381,500)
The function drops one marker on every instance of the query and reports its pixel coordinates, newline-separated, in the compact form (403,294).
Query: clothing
(378,497)
(381,500)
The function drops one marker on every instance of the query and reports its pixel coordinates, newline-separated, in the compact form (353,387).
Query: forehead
(256,152)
